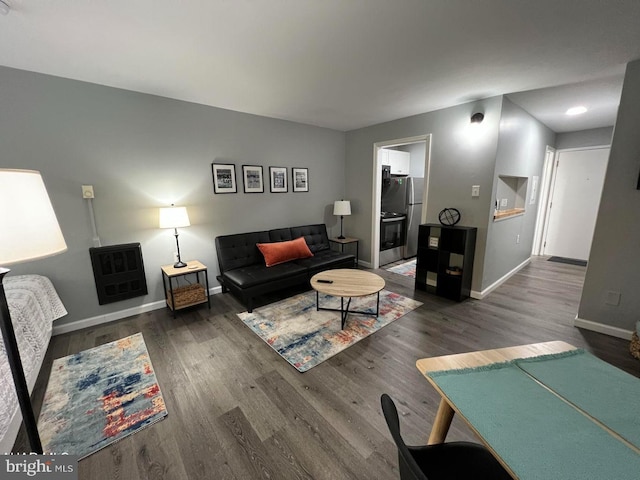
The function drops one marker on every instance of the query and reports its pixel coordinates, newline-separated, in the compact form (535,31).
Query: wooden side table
(345,241)
(188,295)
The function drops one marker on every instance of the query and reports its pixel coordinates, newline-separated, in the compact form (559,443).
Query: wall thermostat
(87,191)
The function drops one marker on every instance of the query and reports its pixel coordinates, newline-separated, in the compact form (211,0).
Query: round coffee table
(347,282)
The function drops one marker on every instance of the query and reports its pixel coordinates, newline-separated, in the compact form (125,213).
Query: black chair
(446,461)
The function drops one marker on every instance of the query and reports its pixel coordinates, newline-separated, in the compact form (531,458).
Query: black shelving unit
(445,260)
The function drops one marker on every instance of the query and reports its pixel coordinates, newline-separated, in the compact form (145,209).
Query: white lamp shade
(342,207)
(174,217)
(29,228)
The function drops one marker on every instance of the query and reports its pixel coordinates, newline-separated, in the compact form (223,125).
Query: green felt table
(560,414)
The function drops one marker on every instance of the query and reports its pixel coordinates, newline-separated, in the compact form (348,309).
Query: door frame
(549,197)
(548,170)
(377,188)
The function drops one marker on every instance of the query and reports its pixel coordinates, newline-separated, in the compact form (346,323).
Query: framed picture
(278,179)
(224,178)
(252,179)
(300,179)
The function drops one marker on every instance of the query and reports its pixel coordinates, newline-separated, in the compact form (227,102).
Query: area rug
(570,261)
(305,337)
(407,269)
(99,396)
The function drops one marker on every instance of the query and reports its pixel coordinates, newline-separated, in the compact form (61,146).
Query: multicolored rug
(408,269)
(305,337)
(98,396)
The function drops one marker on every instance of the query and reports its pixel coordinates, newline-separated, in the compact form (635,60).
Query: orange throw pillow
(281,252)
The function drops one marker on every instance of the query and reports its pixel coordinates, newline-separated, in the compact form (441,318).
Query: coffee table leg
(344,311)
(378,306)
(317,301)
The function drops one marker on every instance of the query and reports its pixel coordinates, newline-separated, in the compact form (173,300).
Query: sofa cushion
(239,250)
(315,236)
(253,275)
(326,259)
(281,252)
(280,235)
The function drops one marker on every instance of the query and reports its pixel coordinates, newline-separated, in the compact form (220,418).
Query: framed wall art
(224,178)
(252,179)
(278,179)
(300,179)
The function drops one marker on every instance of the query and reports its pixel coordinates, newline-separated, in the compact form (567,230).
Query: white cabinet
(399,162)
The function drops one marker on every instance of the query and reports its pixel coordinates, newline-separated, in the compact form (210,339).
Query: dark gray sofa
(242,267)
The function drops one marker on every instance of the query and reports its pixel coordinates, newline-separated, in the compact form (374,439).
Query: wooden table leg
(441,424)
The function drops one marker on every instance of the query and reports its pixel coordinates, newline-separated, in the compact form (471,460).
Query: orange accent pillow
(281,252)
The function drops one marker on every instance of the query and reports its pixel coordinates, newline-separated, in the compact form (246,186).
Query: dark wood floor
(237,410)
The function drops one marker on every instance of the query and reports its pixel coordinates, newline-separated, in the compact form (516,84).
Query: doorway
(545,191)
(377,187)
(574,199)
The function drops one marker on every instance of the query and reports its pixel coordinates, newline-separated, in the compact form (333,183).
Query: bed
(34,305)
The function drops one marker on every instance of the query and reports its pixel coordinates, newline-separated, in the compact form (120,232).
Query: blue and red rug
(99,396)
(305,337)
(408,269)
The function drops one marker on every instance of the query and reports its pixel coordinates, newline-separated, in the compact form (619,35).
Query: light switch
(475,191)
(504,202)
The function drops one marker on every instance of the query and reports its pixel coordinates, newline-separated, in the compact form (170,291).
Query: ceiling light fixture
(576,110)
(477,117)
(5,7)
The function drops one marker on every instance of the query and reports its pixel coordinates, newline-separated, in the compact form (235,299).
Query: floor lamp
(29,230)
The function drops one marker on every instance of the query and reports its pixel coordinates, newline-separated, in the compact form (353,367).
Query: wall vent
(119,272)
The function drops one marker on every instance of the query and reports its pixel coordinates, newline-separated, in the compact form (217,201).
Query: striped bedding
(34,305)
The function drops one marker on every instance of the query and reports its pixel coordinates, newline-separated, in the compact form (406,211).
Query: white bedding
(34,305)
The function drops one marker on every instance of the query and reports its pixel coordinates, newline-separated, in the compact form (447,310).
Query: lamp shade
(29,228)
(342,207)
(174,217)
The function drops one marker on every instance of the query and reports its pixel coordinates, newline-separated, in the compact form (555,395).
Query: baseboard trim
(602,328)
(362,263)
(480,295)
(113,316)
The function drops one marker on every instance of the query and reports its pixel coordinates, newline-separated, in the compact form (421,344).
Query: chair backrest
(409,468)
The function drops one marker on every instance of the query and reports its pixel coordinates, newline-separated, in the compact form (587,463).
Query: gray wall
(417,152)
(460,157)
(584,138)
(614,261)
(521,151)
(142,152)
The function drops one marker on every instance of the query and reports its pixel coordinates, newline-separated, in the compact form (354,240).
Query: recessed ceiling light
(576,110)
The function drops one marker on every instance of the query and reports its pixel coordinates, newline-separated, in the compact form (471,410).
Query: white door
(575,198)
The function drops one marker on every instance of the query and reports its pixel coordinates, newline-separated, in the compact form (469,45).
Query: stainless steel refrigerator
(404,195)
(415,188)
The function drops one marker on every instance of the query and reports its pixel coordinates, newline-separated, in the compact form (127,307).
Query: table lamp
(174,217)
(342,208)
(29,230)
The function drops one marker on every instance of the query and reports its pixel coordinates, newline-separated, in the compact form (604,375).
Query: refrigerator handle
(409,219)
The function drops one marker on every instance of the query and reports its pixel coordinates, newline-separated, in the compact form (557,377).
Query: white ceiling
(341,64)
